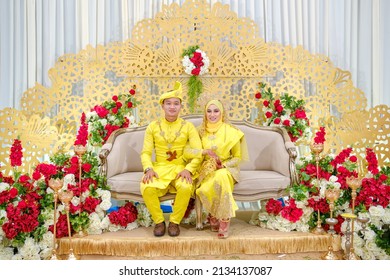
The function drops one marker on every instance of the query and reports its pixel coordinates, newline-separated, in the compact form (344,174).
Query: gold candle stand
(332,195)
(317,149)
(349,250)
(80,150)
(354,183)
(66,197)
(55,185)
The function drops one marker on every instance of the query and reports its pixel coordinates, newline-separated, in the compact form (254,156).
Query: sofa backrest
(126,150)
(266,146)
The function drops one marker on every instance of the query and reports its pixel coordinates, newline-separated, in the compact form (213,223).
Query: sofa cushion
(259,184)
(254,185)
(128,182)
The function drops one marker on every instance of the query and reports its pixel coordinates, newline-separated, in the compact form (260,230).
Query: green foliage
(195,88)
(189,51)
(382,239)
(79,221)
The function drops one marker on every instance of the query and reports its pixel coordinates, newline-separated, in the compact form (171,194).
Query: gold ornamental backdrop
(151,59)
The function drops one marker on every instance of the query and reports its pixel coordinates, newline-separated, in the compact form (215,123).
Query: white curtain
(354,34)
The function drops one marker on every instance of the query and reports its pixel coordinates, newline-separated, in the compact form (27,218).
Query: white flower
(3,214)
(144,218)
(376,211)
(30,250)
(386,216)
(105,223)
(69,179)
(4,187)
(6,253)
(103,122)
(369,234)
(91,116)
(104,194)
(95,225)
(132,225)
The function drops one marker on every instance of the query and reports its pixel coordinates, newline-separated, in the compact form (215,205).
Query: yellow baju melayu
(167,141)
(215,188)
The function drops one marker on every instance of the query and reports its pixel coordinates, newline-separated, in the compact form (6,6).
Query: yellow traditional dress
(167,140)
(215,187)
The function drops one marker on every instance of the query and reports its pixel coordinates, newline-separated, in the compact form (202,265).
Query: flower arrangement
(195,63)
(116,113)
(307,198)
(27,202)
(286,111)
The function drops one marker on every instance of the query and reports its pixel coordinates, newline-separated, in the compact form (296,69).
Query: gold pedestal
(331,255)
(349,249)
(55,185)
(80,234)
(318,229)
(65,198)
(80,150)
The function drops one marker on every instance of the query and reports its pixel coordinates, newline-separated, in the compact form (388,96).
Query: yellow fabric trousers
(152,193)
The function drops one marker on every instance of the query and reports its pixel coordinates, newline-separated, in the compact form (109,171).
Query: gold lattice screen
(239,59)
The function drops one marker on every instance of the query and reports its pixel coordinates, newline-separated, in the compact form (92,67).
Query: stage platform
(245,241)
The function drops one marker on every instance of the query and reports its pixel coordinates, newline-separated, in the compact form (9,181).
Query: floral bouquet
(111,115)
(195,62)
(286,111)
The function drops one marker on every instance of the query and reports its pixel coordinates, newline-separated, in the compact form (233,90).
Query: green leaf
(195,88)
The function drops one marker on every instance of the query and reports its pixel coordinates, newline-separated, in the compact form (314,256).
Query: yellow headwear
(213,127)
(176,92)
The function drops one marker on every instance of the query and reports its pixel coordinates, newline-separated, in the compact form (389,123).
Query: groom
(169,172)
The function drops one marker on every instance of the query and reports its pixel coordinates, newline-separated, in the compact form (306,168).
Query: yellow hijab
(213,127)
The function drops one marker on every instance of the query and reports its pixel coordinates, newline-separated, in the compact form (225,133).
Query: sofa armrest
(292,151)
(103,159)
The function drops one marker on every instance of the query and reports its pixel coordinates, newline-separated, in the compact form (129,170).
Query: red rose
(74,160)
(273,206)
(268,115)
(115,98)
(114,110)
(286,122)
(118,105)
(36,175)
(258,95)
(132,91)
(279,108)
(353,158)
(13,192)
(383,177)
(300,114)
(197,59)
(129,104)
(101,111)
(87,167)
(266,103)
(195,71)
(277,121)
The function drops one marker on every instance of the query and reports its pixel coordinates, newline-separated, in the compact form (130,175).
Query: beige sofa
(270,170)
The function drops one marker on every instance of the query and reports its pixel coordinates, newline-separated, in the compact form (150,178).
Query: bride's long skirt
(215,193)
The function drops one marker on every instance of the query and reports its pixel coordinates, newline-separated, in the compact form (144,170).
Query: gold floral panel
(239,60)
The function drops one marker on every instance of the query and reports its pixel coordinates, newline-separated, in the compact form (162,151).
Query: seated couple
(204,159)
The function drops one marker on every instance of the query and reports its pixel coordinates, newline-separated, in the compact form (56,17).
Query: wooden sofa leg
(198,209)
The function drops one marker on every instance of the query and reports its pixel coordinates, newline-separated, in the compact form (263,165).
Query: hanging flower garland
(195,62)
